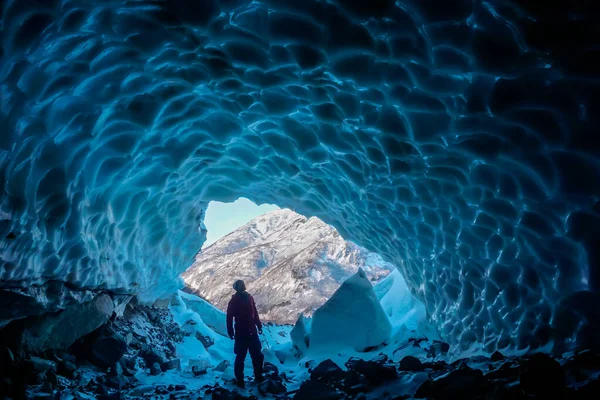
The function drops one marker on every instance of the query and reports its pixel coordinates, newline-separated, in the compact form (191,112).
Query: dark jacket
(242,308)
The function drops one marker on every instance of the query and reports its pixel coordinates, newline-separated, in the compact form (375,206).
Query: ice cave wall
(455,138)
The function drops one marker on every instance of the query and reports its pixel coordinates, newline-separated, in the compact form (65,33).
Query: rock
(141,390)
(171,364)
(180,387)
(171,348)
(40,365)
(128,372)
(161,389)
(222,366)
(113,396)
(128,362)
(272,386)
(51,378)
(497,356)
(465,383)
(116,370)
(315,390)
(107,350)
(101,389)
(197,370)
(155,369)
(7,359)
(445,347)
(326,371)
(61,329)
(581,364)
(587,391)
(151,357)
(410,363)
(128,338)
(66,368)
(205,340)
(103,347)
(117,382)
(374,372)
(435,366)
(542,376)
(507,372)
(352,383)
(202,364)
(269,368)
(219,393)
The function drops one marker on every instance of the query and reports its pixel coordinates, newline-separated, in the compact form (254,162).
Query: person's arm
(256,317)
(230,309)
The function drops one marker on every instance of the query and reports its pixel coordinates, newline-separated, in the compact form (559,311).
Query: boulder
(315,390)
(506,372)
(171,364)
(155,369)
(375,373)
(7,359)
(410,363)
(497,356)
(151,356)
(464,383)
(61,329)
(51,378)
(116,370)
(67,369)
(39,365)
(117,382)
(203,363)
(222,366)
(141,390)
(219,393)
(326,371)
(541,375)
(128,361)
(103,348)
(269,368)
(197,370)
(272,386)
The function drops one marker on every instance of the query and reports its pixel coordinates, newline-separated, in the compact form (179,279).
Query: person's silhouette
(247,327)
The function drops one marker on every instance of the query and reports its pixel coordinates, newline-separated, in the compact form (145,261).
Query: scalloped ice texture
(456,139)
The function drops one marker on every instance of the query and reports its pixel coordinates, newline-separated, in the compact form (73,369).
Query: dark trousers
(243,344)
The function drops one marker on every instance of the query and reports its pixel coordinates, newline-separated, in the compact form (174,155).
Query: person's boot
(240,383)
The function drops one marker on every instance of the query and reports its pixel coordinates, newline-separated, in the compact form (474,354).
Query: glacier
(457,141)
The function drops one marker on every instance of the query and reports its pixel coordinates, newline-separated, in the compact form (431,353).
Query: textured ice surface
(457,140)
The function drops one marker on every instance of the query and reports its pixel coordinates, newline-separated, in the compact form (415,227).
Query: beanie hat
(239,286)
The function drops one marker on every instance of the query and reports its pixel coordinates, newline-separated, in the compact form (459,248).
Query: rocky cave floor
(113,361)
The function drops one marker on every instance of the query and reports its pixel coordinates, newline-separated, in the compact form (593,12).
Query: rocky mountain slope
(290,263)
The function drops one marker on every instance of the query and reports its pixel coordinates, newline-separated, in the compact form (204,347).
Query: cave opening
(292,264)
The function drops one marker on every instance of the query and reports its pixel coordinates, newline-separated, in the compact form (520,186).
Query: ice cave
(458,139)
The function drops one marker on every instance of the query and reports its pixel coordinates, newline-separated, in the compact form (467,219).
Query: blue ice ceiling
(459,139)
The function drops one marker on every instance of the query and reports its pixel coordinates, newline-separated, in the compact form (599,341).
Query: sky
(223,218)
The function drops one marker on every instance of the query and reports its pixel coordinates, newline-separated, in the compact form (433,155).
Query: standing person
(242,308)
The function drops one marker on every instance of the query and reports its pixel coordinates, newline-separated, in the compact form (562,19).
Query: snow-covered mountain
(290,263)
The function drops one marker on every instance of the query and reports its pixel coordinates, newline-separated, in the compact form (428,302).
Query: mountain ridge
(291,264)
